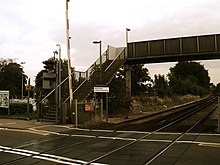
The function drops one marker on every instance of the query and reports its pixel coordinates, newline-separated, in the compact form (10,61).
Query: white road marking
(54,160)
(27,151)
(115,138)
(48,157)
(97,130)
(11,123)
(138,132)
(202,134)
(167,133)
(156,140)
(63,158)
(217,145)
(5,148)
(18,153)
(26,131)
(200,143)
(89,136)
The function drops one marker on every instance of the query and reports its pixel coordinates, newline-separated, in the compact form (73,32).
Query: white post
(76,114)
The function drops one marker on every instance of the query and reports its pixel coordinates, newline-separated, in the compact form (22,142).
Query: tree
(189,78)
(11,77)
(140,79)
(49,66)
(118,102)
(216,89)
(161,86)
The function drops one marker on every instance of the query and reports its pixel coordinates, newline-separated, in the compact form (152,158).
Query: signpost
(103,90)
(88,107)
(4,100)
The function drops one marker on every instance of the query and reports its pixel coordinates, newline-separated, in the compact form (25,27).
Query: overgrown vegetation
(187,81)
(149,104)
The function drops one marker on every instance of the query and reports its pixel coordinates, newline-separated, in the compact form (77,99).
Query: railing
(121,55)
(92,68)
(88,74)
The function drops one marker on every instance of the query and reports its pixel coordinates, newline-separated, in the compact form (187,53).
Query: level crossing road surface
(30,142)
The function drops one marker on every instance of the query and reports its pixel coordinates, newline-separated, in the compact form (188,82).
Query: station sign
(101,89)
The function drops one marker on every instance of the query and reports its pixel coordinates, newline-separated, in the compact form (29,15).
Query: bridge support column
(128,69)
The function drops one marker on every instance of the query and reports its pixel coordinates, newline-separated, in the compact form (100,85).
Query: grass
(149,104)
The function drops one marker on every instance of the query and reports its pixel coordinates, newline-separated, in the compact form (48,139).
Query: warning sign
(88,107)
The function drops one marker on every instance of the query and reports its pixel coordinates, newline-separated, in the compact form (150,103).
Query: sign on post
(101,89)
(4,99)
(88,107)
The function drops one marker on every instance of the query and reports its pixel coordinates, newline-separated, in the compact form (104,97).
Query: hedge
(16,109)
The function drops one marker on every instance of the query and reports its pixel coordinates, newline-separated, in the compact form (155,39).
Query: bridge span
(204,47)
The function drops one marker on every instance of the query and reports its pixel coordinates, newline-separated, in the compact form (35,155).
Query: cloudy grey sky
(30,29)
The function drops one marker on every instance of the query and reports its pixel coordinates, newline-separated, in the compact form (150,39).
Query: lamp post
(59,76)
(128,68)
(56,83)
(22,82)
(100,57)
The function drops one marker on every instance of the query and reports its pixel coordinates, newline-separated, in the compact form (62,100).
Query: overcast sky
(30,29)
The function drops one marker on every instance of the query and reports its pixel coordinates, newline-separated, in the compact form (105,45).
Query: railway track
(196,114)
(192,118)
(159,119)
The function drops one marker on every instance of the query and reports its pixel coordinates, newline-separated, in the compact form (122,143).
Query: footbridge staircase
(100,73)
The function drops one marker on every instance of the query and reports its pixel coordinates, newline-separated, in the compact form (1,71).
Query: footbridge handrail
(118,56)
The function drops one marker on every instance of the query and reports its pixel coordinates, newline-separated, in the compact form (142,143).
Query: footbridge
(203,47)
(101,72)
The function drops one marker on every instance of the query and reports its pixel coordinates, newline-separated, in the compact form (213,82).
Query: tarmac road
(30,142)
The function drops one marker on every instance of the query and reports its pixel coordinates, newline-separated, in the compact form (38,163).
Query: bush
(119,106)
(16,109)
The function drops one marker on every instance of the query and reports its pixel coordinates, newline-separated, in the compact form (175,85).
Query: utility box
(49,80)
